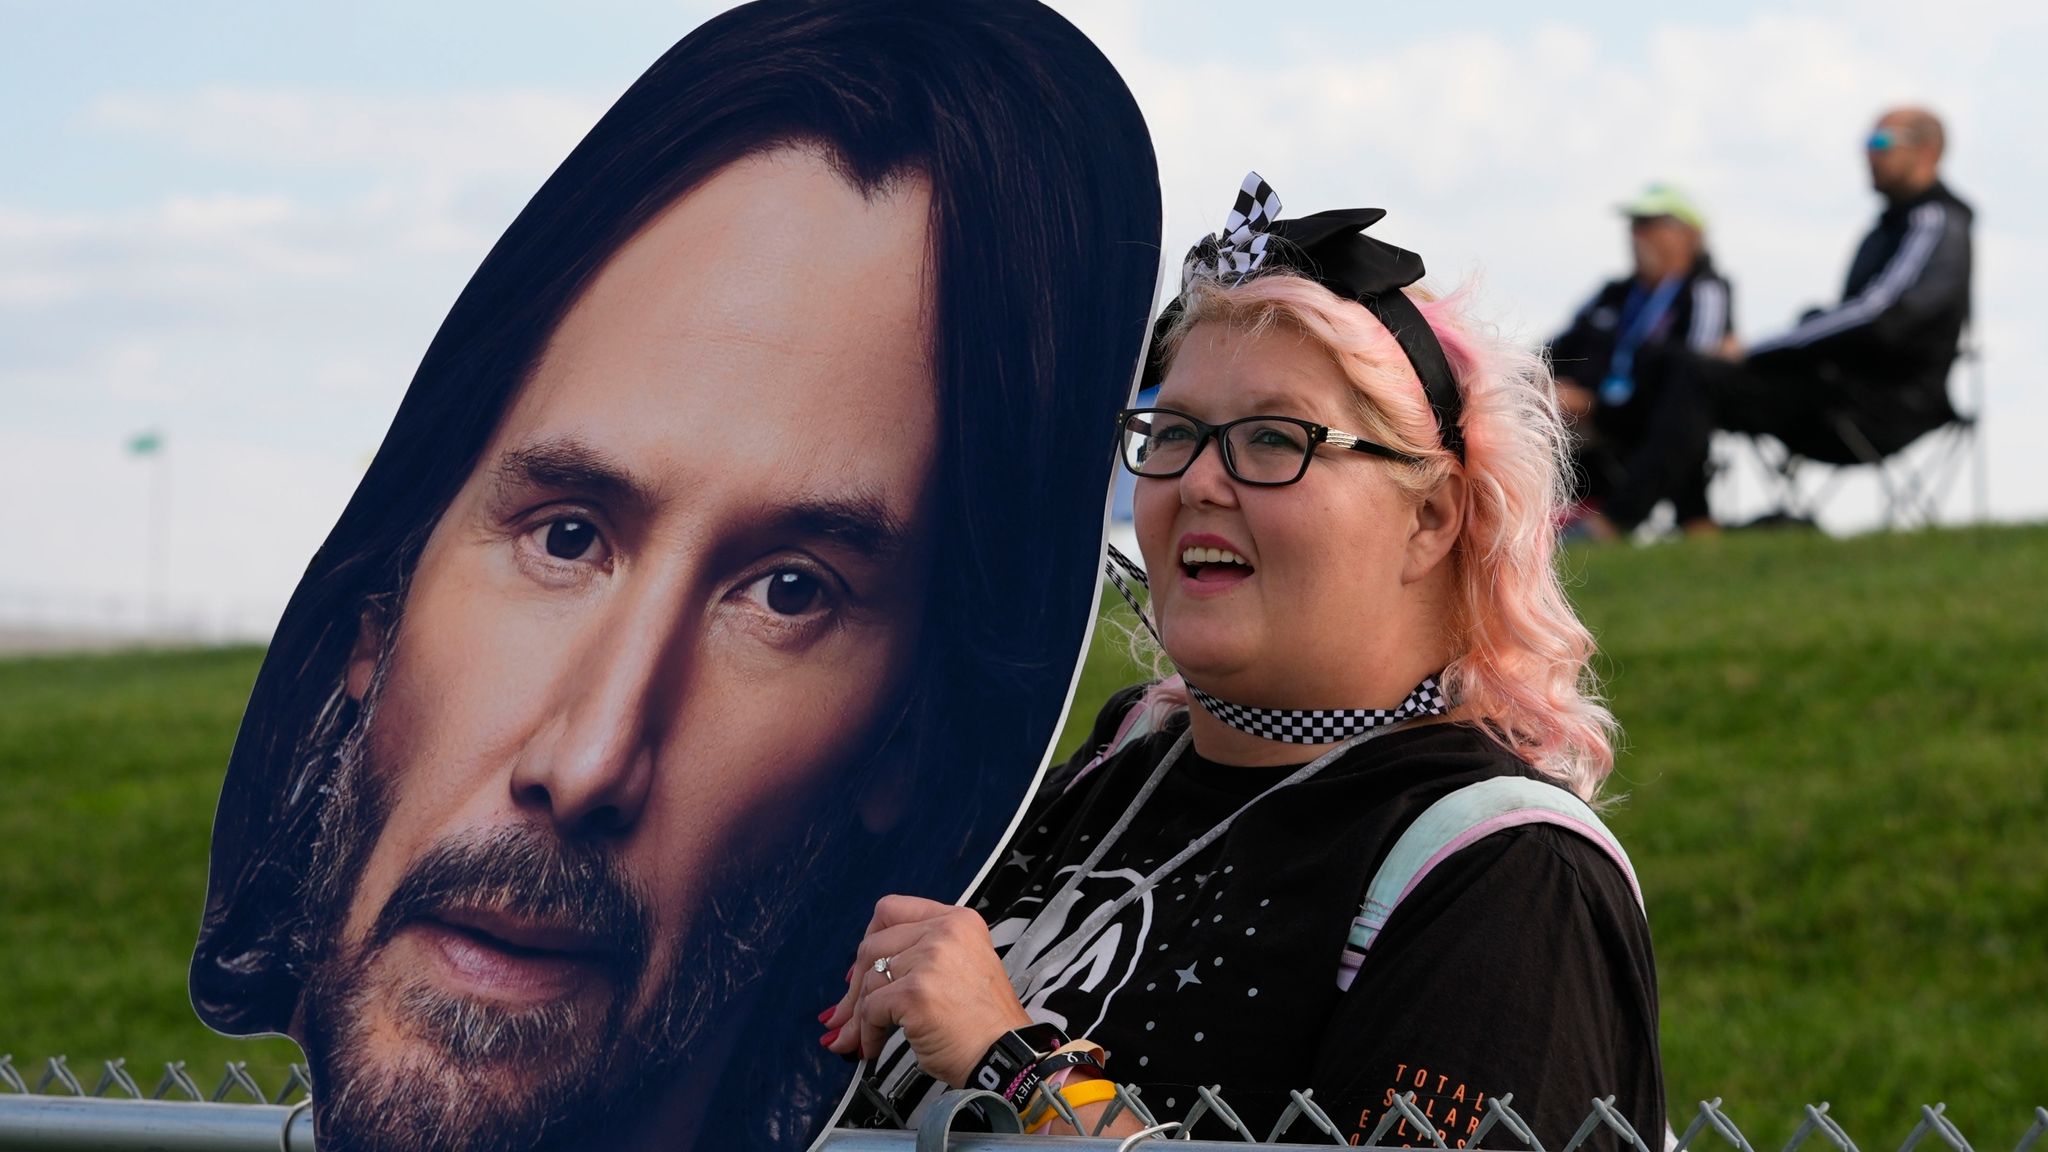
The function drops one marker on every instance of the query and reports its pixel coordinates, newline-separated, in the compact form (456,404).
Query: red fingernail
(827,1013)
(827,1039)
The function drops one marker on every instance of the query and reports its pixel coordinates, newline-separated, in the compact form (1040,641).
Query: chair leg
(1923,482)
(1868,454)
(1783,470)
(1974,424)
(1779,481)
(1981,497)
(1955,451)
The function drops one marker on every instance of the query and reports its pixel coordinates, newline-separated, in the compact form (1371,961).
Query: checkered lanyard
(1286,725)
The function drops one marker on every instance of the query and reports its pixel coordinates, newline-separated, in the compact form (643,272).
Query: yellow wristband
(1078,1096)
(1089,1092)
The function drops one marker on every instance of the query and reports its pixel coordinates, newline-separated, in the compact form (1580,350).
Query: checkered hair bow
(1237,251)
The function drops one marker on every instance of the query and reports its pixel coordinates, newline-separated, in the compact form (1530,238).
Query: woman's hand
(945,988)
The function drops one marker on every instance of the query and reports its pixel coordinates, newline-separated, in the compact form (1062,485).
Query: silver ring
(882,966)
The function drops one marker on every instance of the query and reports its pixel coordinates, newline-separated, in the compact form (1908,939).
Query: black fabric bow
(1330,249)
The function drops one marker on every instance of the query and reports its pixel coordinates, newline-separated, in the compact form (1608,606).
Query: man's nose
(593,766)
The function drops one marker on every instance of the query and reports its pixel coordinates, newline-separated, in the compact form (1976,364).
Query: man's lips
(504,957)
(523,934)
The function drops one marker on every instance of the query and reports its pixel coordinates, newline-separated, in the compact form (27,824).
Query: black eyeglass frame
(1205,432)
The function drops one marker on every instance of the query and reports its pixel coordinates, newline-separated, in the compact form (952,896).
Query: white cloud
(249,297)
(473,134)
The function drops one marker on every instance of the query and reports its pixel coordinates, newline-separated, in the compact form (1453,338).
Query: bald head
(1905,152)
(1917,125)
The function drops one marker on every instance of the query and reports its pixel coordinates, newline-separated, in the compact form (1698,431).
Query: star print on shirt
(1187,976)
(1019,860)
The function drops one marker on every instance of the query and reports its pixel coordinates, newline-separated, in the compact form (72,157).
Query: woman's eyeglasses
(1159,443)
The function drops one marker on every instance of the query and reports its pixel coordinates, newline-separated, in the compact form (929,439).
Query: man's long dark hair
(1044,233)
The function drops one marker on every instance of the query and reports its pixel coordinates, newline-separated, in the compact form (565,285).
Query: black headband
(1330,249)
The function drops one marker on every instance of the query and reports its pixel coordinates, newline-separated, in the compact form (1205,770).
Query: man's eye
(568,540)
(788,592)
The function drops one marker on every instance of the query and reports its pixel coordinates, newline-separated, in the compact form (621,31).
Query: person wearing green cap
(1609,363)
(1850,384)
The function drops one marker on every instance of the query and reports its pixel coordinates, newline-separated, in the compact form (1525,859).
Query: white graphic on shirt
(1108,959)
(1105,962)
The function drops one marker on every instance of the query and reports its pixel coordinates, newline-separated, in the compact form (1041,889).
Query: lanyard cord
(1021,981)
(1641,315)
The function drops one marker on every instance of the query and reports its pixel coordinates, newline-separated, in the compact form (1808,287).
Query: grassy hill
(1837,778)
(110,766)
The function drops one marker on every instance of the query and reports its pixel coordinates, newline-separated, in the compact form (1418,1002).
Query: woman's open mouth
(1211,564)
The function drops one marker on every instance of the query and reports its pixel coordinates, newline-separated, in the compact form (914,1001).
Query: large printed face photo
(652,616)
(724,569)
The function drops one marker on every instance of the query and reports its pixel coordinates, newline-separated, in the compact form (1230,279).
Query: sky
(240,224)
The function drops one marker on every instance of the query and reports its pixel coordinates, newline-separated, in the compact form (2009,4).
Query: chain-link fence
(50,1108)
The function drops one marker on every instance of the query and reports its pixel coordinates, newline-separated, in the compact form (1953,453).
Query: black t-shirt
(1521,964)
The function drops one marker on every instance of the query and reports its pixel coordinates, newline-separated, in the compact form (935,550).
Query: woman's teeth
(1193,556)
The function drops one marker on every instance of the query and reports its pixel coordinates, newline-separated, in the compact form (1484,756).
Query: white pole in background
(160,540)
(157,566)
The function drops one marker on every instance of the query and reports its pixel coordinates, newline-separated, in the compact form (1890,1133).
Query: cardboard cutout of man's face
(659,658)
(669,598)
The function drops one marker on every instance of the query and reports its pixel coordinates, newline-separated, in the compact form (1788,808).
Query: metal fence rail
(54,1110)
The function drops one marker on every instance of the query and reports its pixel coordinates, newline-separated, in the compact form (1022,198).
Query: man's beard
(480,1075)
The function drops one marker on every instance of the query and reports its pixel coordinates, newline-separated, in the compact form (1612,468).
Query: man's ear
(362,660)
(1438,520)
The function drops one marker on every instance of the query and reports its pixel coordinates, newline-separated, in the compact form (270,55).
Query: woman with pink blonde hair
(1349,846)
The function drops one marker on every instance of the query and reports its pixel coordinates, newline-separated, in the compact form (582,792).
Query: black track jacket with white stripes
(1700,317)
(1905,303)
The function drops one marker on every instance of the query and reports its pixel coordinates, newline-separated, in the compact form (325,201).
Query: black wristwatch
(1010,1068)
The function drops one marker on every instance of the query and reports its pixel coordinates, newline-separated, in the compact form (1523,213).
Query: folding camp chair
(1916,480)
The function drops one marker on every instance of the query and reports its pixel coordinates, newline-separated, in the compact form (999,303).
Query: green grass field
(1837,778)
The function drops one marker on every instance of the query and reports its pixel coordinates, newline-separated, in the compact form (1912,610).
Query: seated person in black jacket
(1850,384)
(1608,362)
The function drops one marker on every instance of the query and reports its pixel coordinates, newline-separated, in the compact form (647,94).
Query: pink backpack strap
(1147,715)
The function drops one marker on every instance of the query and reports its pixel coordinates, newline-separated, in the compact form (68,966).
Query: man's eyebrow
(571,465)
(858,521)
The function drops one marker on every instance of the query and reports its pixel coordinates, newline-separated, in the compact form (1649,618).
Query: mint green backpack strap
(1458,820)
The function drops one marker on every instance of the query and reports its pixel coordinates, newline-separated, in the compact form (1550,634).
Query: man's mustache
(528,873)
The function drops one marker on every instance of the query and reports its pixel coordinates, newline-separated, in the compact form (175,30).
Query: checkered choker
(1322,725)
(1287,725)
